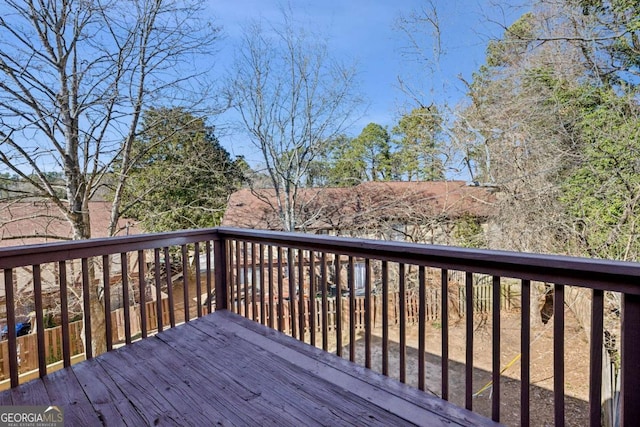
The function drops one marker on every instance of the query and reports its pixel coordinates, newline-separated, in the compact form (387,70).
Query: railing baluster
(369,313)
(525,350)
(421,328)
(196,261)
(558,354)
(595,350)
(403,321)
(352,311)
(221,271)
(86,298)
(280,292)
(185,283)
(444,323)
(64,313)
(495,395)
(325,302)
(245,279)
(301,301)
(385,318)
(630,361)
(292,293)
(253,301)
(272,311)
(157,273)
(11,326)
(124,263)
(37,293)
(238,303)
(338,316)
(207,248)
(142,283)
(106,282)
(468,368)
(167,266)
(312,298)
(262,301)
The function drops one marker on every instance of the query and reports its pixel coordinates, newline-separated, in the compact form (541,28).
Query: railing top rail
(17,256)
(594,273)
(588,272)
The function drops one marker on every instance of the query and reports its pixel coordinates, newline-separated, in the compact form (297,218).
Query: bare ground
(541,391)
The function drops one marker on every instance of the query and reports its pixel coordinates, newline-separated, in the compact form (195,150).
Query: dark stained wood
(280,298)
(64,313)
(403,323)
(143,298)
(385,318)
(292,292)
(352,310)
(368,313)
(167,267)
(245,279)
(207,248)
(338,316)
(312,297)
(595,367)
(495,374)
(106,283)
(525,350)
(558,354)
(444,291)
(11,326)
(86,301)
(263,315)
(37,293)
(630,360)
(325,302)
(421,328)
(271,294)
(254,285)
(236,278)
(196,261)
(158,281)
(468,365)
(300,294)
(124,262)
(185,285)
(223,369)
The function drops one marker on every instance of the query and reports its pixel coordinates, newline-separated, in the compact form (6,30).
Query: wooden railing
(258,273)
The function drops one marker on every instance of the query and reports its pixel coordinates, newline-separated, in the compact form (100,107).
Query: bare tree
(292,98)
(75,76)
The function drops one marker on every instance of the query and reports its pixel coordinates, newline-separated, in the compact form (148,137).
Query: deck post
(220,269)
(630,384)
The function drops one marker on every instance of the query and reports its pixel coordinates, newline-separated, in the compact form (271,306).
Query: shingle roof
(353,207)
(43,220)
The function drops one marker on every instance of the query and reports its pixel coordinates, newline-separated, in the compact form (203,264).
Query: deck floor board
(226,370)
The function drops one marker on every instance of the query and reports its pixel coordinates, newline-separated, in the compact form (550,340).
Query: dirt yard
(541,392)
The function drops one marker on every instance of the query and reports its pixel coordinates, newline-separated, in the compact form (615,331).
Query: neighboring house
(441,212)
(42,222)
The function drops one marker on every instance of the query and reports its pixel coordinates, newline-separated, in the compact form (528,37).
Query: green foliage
(183,177)
(514,43)
(603,192)
(468,232)
(419,152)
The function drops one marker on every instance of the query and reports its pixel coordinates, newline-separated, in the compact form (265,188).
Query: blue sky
(365,32)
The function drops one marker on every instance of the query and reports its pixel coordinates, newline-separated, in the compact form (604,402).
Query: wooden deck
(223,369)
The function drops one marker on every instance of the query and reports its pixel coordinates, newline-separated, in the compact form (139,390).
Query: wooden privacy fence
(483,301)
(28,346)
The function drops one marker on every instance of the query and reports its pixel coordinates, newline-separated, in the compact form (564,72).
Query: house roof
(362,205)
(43,220)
